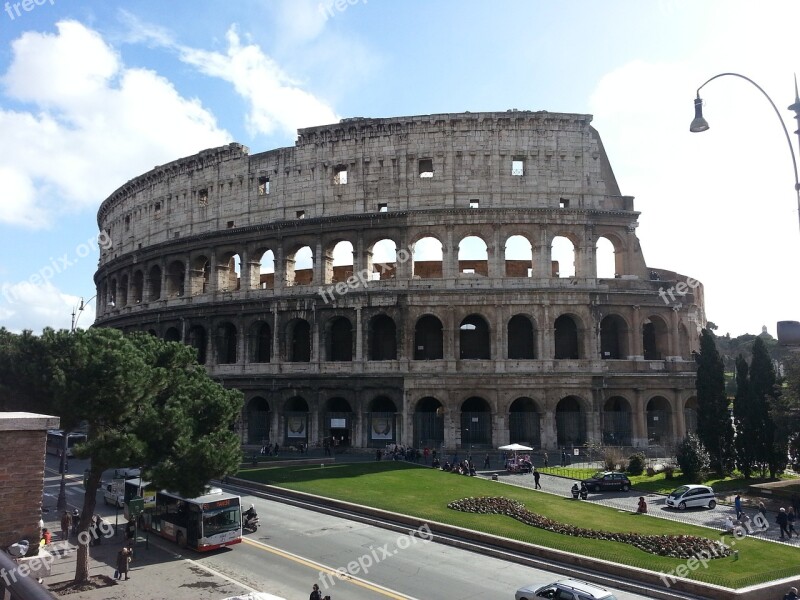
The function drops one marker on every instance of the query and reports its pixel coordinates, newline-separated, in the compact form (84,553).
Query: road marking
(319,567)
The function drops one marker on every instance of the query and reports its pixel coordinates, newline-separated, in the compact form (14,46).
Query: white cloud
(64,153)
(275,99)
(28,306)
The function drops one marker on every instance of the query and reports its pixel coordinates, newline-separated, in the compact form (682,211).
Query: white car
(566,589)
(690,496)
(126,473)
(113,498)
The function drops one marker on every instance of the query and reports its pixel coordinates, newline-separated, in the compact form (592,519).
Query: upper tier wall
(471,156)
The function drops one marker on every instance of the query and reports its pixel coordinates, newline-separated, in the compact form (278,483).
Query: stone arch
(381,421)
(339,262)
(383,259)
(617,424)
(154,283)
(521,338)
(567,338)
(427,258)
(476,423)
(655,338)
(570,422)
(260,342)
(137,289)
(473,257)
(298,338)
(263,278)
(198,339)
(176,279)
(524,422)
(257,419)
(172,334)
(429,423)
(296,416)
(659,422)
(518,257)
(382,333)
(428,338)
(229,272)
(608,258)
(613,338)
(226,342)
(337,426)
(200,275)
(122,297)
(562,256)
(474,338)
(300,266)
(339,340)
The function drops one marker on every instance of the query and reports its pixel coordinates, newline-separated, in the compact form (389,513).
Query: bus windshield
(221,520)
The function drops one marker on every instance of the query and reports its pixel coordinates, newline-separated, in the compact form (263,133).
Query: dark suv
(607,480)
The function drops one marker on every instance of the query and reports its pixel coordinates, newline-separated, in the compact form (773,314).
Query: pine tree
(772,449)
(747,431)
(714,426)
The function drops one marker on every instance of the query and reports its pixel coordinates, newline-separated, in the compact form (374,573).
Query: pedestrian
(737,505)
(791,518)
(783,522)
(123,559)
(791,594)
(315,595)
(563,458)
(486,463)
(762,509)
(66,525)
(536,476)
(277,447)
(545,460)
(426,453)
(642,507)
(47,537)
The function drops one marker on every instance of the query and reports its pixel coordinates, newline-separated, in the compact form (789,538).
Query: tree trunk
(89,502)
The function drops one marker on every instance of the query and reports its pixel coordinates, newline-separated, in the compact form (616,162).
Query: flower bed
(675,546)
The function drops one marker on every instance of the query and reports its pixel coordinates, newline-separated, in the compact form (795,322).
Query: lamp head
(699,123)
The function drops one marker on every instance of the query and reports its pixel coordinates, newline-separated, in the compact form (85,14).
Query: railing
(19,583)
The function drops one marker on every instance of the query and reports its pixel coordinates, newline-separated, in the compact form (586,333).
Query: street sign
(135,507)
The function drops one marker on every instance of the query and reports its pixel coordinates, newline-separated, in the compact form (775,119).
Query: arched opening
(518,257)
(429,423)
(476,423)
(521,338)
(381,421)
(566,338)
(176,279)
(562,257)
(172,335)
(260,342)
(613,338)
(295,413)
(266,271)
(257,425)
(428,339)
(605,259)
(690,415)
(299,336)
(200,275)
(339,340)
(617,430)
(523,423)
(659,422)
(122,297)
(427,258)
(229,273)
(300,267)
(338,423)
(383,261)
(474,339)
(138,287)
(654,338)
(154,283)
(570,422)
(198,341)
(226,343)
(473,259)
(382,338)
(339,263)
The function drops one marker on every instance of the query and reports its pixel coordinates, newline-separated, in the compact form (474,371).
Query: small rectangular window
(128,223)
(301,214)
(263,186)
(383,207)
(474,203)
(202,197)
(157,210)
(177,234)
(426,167)
(517,167)
(563,203)
(230,224)
(340,175)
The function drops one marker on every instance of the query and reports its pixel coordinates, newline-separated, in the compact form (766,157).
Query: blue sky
(93,93)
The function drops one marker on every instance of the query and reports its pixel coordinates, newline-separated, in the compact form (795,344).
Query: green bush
(693,459)
(636,463)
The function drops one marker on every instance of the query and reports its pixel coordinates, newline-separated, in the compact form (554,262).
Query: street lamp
(78,311)
(699,124)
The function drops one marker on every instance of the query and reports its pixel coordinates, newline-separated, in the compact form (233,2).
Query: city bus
(55,441)
(208,522)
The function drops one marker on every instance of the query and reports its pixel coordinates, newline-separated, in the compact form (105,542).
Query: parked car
(566,589)
(607,480)
(126,473)
(113,498)
(690,496)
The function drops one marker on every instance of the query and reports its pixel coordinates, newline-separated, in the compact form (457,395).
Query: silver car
(691,496)
(566,589)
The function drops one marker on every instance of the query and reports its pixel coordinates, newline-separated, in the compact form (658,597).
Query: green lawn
(425,493)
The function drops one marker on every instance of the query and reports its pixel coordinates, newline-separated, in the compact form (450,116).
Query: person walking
(486,463)
(783,522)
(123,559)
(536,476)
(737,505)
(563,458)
(315,595)
(66,525)
(545,460)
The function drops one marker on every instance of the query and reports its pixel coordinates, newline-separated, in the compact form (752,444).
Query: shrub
(693,459)
(612,458)
(636,463)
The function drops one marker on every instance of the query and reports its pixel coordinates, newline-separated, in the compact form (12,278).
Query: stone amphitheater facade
(448,323)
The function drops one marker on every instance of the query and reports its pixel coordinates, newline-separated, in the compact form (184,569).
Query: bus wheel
(180,540)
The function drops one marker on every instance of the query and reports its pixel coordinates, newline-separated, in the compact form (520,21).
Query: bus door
(193,526)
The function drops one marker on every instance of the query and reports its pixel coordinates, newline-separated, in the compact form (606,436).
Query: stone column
(359,357)
(637,344)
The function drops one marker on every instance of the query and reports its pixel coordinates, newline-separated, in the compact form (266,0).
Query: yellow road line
(329,571)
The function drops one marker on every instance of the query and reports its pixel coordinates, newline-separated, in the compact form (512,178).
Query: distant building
(451,325)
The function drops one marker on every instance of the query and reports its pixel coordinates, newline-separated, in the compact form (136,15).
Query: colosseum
(453,281)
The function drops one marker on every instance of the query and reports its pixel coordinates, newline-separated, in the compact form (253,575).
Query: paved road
(712,518)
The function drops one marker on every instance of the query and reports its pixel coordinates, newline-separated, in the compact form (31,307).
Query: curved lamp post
(699,124)
(61,503)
